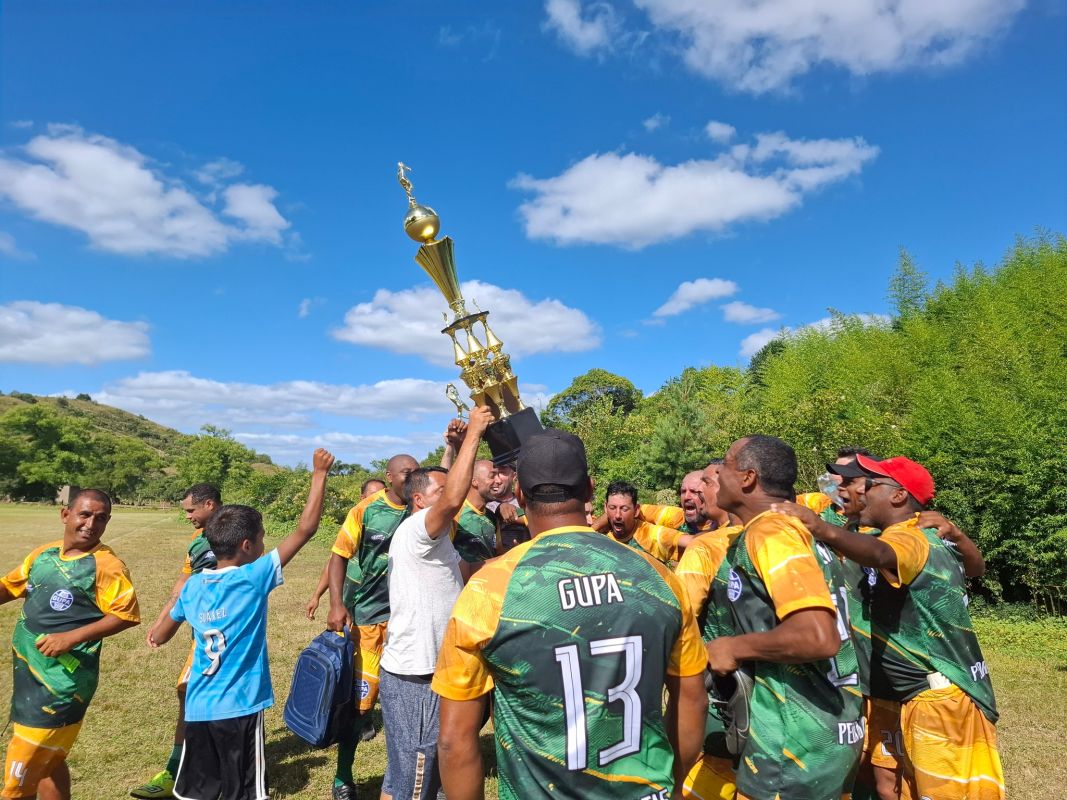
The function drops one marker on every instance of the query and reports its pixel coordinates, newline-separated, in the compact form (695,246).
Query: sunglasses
(869,482)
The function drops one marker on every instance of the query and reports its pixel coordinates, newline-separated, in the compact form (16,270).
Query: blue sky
(200,220)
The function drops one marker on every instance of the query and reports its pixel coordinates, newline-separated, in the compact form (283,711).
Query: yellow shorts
(183,676)
(711,778)
(365,667)
(33,754)
(883,747)
(950,748)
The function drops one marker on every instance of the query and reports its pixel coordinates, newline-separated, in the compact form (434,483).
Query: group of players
(829,630)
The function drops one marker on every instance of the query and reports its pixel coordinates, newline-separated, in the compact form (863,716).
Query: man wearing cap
(782,613)
(576,635)
(926,654)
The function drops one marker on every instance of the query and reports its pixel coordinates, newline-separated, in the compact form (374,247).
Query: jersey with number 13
(227,610)
(575,634)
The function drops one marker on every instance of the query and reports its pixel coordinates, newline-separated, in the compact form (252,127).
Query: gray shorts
(411,714)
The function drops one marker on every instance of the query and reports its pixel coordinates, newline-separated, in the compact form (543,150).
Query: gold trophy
(484,366)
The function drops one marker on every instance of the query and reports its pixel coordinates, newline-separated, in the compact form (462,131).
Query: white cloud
(754,342)
(656,121)
(593,31)
(10,249)
(694,293)
(761,45)
(633,200)
(124,204)
(720,132)
(50,333)
(215,172)
(185,401)
(410,322)
(304,309)
(746,314)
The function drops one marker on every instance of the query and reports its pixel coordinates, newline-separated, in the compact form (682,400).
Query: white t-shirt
(424,582)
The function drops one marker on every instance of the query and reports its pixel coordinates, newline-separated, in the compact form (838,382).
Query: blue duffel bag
(321,696)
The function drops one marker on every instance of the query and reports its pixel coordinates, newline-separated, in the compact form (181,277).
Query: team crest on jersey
(364,690)
(733,589)
(61,600)
(872,575)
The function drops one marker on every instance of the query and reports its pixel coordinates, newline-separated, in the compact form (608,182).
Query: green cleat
(162,785)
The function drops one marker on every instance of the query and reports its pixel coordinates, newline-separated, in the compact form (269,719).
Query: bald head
(482,482)
(396,473)
(691,496)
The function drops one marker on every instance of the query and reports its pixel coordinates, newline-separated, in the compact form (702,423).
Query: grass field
(128,730)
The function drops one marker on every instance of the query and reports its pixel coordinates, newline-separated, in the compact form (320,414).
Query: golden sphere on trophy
(422,224)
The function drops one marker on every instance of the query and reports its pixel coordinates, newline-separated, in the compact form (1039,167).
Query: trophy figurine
(484,366)
(453,394)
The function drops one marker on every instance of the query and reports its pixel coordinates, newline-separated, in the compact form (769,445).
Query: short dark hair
(368,482)
(852,452)
(621,487)
(419,481)
(230,526)
(202,492)
(96,494)
(774,462)
(715,462)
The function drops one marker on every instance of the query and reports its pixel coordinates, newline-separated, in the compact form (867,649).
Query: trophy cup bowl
(422,224)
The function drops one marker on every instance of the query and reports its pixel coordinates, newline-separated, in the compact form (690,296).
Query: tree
(907,287)
(679,443)
(215,457)
(583,394)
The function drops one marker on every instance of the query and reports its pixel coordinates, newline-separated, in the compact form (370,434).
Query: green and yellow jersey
(199,556)
(659,542)
(575,636)
(63,593)
(364,540)
(921,624)
(806,727)
(476,533)
(670,517)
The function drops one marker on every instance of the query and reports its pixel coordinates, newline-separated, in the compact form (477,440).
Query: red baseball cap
(909,474)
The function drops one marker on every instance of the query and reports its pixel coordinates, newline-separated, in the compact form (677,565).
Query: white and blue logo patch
(733,590)
(872,576)
(61,600)
(364,690)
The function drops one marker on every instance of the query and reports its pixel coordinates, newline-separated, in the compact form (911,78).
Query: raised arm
(458,483)
(309,519)
(865,550)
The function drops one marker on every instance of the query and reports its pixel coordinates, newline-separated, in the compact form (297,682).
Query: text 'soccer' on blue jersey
(227,609)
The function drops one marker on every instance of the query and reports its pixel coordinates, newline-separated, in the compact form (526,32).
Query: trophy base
(505,437)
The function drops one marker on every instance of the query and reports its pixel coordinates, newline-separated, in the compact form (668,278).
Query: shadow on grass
(290,762)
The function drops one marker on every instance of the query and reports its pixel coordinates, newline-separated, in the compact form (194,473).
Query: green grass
(128,730)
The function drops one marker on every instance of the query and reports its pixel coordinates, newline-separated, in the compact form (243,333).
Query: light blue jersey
(227,609)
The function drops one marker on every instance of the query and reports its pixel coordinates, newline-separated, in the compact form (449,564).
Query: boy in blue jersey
(229,685)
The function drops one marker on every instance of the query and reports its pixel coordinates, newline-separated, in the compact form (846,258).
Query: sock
(174,760)
(346,752)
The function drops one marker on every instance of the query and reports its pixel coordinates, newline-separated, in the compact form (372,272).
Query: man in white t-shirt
(425,579)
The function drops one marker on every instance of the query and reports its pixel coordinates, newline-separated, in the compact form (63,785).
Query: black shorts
(223,760)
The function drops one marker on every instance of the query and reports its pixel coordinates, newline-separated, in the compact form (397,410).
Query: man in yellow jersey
(576,637)
(711,778)
(476,525)
(688,516)
(926,655)
(199,503)
(361,597)
(620,507)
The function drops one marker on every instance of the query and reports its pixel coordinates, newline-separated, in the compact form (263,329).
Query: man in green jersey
(575,635)
(75,592)
(199,504)
(359,595)
(787,601)
(476,525)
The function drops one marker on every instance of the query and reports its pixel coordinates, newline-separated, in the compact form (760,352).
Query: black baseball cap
(850,469)
(553,458)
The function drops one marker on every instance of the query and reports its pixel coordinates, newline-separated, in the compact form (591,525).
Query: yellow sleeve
(462,673)
(816,501)
(697,569)
(781,549)
(347,542)
(912,550)
(15,581)
(688,656)
(115,594)
(666,541)
(667,516)
(187,565)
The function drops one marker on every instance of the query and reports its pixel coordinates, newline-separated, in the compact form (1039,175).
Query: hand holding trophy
(484,366)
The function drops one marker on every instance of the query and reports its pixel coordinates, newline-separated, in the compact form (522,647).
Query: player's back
(594,624)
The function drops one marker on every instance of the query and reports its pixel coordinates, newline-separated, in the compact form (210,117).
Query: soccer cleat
(344,791)
(162,785)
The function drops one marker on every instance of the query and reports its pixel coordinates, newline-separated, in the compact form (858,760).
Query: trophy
(484,366)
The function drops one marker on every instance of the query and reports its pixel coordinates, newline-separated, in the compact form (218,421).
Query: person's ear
(519,496)
(749,480)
